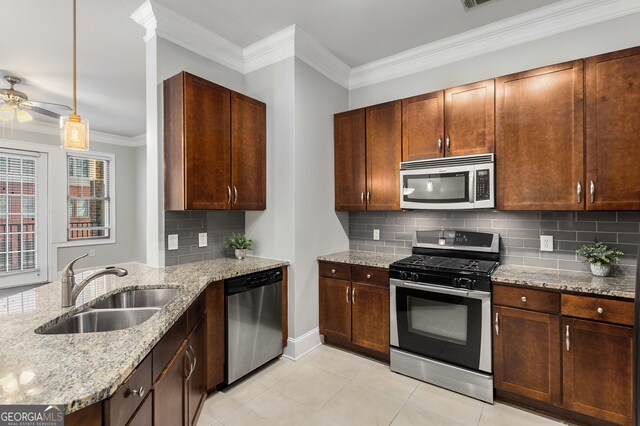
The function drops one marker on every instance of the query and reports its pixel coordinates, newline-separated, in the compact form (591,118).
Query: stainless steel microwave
(453,183)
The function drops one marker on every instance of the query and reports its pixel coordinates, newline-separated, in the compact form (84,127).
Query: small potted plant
(240,243)
(600,257)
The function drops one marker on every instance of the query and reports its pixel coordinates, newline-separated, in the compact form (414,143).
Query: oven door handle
(473,294)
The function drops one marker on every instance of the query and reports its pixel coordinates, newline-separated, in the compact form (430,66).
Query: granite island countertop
(578,282)
(77,370)
(364,258)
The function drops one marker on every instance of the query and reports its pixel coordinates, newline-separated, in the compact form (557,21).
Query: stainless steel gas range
(440,307)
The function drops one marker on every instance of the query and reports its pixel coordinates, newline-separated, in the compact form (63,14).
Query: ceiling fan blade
(46,105)
(43,112)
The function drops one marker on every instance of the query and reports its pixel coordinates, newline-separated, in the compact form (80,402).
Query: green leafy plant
(598,253)
(239,241)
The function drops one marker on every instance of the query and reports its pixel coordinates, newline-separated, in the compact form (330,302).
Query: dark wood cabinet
(539,139)
(423,126)
(370,316)
(612,99)
(384,153)
(335,308)
(215,143)
(350,160)
(598,370)
(144,415)
(169,390)
(196,381)
(354,308)
(119,408)
(248,153)
(469,119)
(527,354)
(368,151)
(215,334)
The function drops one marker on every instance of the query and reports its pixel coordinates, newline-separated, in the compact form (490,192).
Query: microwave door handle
(472,192)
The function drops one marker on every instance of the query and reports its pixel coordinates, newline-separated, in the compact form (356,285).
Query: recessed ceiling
(356,31)
(37,47)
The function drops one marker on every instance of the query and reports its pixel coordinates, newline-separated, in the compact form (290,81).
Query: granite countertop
(77,370)
(579,282)
(365,258)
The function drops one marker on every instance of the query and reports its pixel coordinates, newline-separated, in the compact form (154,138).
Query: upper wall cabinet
(457,121)
(367,148)
(215,142)
(539,139)
(612,105)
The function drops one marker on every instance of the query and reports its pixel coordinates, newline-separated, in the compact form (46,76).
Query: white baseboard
(297,347)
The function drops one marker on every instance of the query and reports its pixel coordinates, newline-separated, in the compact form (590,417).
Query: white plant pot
(600,270)
(241,253)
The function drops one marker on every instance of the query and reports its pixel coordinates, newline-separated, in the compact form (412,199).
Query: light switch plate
(376,234)
(546,242)
(173,242)
(202,239)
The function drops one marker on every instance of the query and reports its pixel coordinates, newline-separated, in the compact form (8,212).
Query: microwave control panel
(483,185)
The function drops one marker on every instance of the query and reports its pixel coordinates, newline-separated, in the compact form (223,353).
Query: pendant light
(74,130)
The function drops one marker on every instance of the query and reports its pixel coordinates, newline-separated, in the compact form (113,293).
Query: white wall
(124,249)
(588,41)
(319,229)
(141,203)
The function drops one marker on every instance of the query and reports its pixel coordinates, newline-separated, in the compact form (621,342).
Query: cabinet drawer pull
(497,324)
(333,271)
(524,299)
(139,391)
(346,295)
(600,311)
(568,339)
(353,296)
(368,276)
(440,144)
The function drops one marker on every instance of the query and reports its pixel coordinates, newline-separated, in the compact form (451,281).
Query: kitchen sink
(146,298)
(91,321)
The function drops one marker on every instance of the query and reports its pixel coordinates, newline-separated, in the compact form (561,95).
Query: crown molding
(269,50)
(318,57)
(534,25)
(53,129)
(145,17)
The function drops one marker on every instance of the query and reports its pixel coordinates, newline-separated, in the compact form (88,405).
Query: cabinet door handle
(353,296)
(497,325)
(346,295)
(192,361)
(524,299)
(592,191)
(188,355)
(579,191)
(600,311)
(228,194)
(362,198)
(448,143)
(235,195)
(368,197)
(440,144)
(139,391)
(568,339)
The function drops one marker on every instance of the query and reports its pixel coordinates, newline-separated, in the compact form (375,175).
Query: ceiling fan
(16,104)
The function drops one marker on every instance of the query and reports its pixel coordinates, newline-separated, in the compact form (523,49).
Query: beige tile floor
(330,386)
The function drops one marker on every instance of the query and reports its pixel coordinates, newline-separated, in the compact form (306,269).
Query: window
(23,227)
(89,197)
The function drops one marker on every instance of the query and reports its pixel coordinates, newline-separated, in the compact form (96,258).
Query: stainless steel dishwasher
(253,322)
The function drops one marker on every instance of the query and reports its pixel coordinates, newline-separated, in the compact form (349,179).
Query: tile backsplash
(219,225)
(519,231)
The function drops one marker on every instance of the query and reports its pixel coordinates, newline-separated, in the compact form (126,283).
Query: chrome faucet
(70,290)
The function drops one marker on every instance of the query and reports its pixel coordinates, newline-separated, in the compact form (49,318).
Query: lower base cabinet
(354,307)
(169,391)
(573,359)
(144,415)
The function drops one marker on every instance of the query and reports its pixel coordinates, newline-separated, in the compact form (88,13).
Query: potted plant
(240,243)
(599,256)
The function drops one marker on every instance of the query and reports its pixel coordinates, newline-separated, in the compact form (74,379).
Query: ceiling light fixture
(74,130)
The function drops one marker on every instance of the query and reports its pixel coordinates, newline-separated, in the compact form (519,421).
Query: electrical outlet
(202,239)
(546,242)
(376,234)
(173,242)
(92,253)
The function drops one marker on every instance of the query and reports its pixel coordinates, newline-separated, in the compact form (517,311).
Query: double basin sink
(116,312)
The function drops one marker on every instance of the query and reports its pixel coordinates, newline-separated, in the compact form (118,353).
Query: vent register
(470,4)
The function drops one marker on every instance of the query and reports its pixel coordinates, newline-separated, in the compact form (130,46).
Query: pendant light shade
(74,130)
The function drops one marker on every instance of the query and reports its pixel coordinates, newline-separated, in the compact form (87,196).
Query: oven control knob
(403,275)
(414,276)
